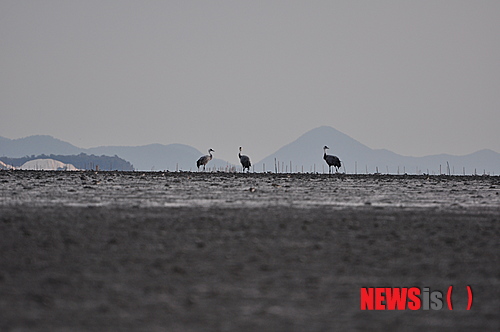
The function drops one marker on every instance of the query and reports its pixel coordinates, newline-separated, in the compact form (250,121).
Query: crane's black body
(245,161)
(204,159)
(331,160)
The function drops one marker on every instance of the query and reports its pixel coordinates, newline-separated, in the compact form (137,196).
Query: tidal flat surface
(158,189)
(243,252)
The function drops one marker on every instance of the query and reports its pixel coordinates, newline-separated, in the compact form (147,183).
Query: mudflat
(243,252)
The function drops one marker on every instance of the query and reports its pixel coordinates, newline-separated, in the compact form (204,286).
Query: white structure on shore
(47,165)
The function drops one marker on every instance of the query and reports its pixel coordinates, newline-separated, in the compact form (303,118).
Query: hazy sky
(415,77)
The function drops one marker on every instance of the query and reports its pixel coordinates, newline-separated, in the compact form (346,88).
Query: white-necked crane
(331,160)
(204,159)
(245,161)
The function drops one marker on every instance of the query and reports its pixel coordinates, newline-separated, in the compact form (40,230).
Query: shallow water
(158,189)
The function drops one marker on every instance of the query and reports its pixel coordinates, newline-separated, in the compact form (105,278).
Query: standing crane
(245,161)
(204,159)
(331,160)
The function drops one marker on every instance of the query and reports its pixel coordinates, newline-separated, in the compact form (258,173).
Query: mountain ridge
(358,158)
(154,156)
(304,154)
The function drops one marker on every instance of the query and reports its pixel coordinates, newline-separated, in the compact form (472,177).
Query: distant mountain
(306,154)
(170,157)
(35,145)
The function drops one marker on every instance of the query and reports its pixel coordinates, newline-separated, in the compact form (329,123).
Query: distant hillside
(33,145)
(170,157)
(306,153)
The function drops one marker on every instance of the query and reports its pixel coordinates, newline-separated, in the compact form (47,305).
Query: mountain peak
(306,154)
(36,144)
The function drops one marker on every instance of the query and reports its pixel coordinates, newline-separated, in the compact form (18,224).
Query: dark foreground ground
(236,262)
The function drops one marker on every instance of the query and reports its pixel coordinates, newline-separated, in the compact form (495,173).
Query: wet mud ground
(156,251)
